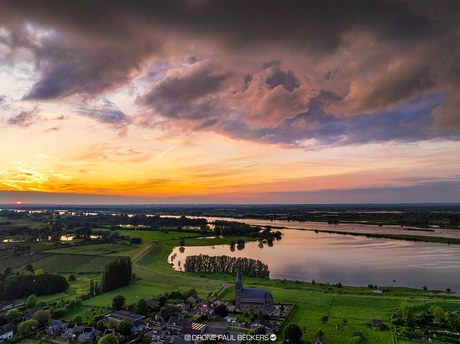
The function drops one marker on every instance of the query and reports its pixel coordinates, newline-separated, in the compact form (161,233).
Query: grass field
(99,249)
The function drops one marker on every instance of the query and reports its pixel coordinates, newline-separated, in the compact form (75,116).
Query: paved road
(225,286)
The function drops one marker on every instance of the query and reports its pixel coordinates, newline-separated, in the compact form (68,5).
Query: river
(350,260)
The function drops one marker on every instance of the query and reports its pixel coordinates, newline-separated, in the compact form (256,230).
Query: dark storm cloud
(25,119)
(182,95)
(369,58)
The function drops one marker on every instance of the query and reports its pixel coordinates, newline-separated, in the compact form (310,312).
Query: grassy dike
(358,305)
(439,240)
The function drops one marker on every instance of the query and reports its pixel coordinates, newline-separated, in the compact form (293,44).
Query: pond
(350,260)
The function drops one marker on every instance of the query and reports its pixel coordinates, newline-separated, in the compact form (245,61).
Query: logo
(187,337)
(273,337)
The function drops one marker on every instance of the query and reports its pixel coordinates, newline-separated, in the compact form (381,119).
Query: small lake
(350,260)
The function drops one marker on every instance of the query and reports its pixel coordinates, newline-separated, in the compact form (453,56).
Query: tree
(77,319)
(293,333)
(27,326)
(260,315)
(260,330)
(42,317)
(111,324)
(13,316)
(118,302)
(30,268)
(191,292)
(71,278)
(438,314)
(116,274)
(407,312)
(108,339)
(251,311)
(319,333)
(324,319)
(124,327)
(100,326)
(141,307)
(452,320)
(39,272)
(31,301)
(221,310)
(91,288)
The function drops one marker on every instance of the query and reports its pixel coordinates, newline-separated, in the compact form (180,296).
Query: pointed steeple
(238,275)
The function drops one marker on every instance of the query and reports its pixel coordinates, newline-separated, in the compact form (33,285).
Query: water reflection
(350,260)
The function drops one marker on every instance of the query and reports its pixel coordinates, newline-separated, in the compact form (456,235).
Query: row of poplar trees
(116,274)
(202,263)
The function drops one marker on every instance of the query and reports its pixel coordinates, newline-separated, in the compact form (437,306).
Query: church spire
(238,275)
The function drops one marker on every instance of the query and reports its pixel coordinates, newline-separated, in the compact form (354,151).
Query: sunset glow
(197,102)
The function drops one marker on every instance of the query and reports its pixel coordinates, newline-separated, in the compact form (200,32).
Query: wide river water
(351,260)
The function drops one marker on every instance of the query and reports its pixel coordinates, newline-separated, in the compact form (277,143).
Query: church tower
(238,288)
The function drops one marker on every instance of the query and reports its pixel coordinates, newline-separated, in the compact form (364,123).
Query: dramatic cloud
(257,72)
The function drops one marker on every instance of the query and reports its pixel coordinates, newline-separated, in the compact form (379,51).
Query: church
(260,299)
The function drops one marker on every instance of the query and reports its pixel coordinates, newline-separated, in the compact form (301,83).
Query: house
(268,326)
(6,305)
(138,325)
(193,329)
(88,334)
(29,315)
(194,299)
(259,299)
(318,341)
(124,315)
(178,340)
(110,331)
(166,310)
(377,322)
(8,331)
(153,303)
(71,330)
(54,327)
(158,335)
(185,305)
(230,319)
(216,331)
(206,308)
(176,323)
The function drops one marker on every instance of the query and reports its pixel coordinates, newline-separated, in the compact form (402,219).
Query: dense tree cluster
(232,228)
(21,286)
(201,263)
(116,274)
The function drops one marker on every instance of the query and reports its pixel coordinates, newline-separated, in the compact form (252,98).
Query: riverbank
(423,238)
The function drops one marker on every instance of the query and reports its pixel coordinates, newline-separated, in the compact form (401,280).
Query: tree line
(23,285)
(116,274)
(205,263)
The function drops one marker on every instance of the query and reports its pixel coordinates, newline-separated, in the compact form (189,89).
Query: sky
(229,102)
